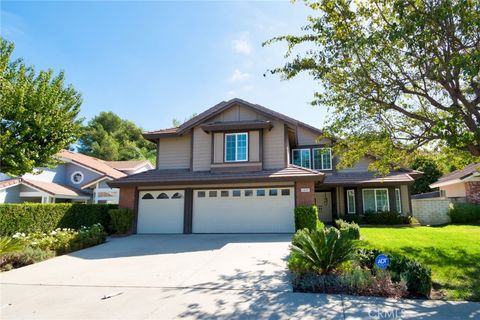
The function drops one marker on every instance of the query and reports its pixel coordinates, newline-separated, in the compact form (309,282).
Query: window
(351,201)
(162,195)
(398,200)
(272,192)
(147,196)
(212,194)
(375,200)
(322,158)
(261,193)
(285,192)
(236,147)
(301,157)
(224,193)
(236,193)
(177,195)
(248,193)
(201,194)
(77,177)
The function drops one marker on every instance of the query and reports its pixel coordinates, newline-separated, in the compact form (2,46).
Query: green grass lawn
(452,252)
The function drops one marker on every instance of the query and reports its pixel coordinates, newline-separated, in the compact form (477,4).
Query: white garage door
(160,211)
(262,210)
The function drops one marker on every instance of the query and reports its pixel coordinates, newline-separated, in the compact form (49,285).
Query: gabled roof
(54,189)
(9,183)
(128,165)
(187,177)
(220,107)
(458,176)
(92,163)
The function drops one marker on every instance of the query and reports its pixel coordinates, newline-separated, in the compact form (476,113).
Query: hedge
(306,217)
(33,217)
(464,213)
(121,220)
(380,218)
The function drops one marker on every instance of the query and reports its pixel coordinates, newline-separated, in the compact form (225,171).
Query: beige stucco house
(461,185)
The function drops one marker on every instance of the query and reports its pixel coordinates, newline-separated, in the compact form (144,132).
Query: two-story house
(239,167)
(77,178)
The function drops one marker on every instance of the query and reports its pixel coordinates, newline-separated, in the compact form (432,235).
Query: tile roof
(54,189)
(368,177)
(185,176)
(92,163)
(128,164)
(10,183)
(459,174)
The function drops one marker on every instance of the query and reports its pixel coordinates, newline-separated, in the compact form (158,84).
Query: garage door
(160,211)
(261,210)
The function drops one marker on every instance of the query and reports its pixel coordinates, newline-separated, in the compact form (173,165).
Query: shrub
(381,217)
(320,225)
(8,244)
(464,213)
(351,230)
(417,277)
(20,259)
(33,217)
(306,217)
(121,220)
(354,218)
(321,250)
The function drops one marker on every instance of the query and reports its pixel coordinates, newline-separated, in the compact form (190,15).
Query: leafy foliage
(8,244)
(121,220)
(431,173)
(381,218)
(464,213)
(397,75)
(306,217)
(350,229)
(109,137)
(38,114)
(322,250)
(32,217)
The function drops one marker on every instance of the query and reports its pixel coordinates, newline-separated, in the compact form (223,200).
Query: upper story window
(301,157)
(236,147)
(322,158)
(77,177)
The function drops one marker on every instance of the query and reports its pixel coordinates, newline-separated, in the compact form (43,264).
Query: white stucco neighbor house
(78,178)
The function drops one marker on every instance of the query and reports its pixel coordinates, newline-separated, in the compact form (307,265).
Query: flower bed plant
(38,246)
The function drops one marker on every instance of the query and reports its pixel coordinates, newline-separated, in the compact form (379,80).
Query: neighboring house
(78,178)
(461,185)
(240,167)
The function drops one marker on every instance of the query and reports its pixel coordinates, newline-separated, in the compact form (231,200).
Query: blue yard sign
(382,261)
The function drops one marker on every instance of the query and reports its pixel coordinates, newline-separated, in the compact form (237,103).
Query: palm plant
(323,249)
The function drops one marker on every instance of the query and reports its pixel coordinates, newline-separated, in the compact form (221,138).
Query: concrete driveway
(188,276)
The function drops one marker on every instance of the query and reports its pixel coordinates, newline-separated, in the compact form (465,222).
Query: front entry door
(323,200)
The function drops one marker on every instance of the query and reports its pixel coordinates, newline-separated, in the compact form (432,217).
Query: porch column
(304,193)
(95,192)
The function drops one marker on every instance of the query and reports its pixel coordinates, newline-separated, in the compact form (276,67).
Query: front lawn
(452,252)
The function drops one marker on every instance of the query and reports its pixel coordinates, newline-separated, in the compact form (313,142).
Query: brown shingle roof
(9,183)
(128,165)
(185,176)
(54,188)
(92,163)
(458,174)
(361,178)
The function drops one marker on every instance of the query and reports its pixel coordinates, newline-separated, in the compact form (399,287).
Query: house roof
(91,163)
(51,188)
(185,176)
(368,177)
(128,165)
(218,108)
(10,183)
(457,175)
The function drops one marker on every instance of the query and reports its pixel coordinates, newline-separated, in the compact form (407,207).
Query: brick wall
(473,191)
(433,211)
(304,198)
(127,198)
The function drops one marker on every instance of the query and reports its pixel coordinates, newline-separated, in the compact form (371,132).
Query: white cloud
(242,44)
(239,76)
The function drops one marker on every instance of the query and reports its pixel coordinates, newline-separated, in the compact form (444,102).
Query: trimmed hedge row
(306,217)
(380,218)
(464,213)
(33,217)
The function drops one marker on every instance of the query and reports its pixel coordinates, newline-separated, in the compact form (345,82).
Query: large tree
(38,114)
(396,75)
(109,137)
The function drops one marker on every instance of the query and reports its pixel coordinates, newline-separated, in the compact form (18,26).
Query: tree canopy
(396,75)
(431,173)
(38,114)
(109,137)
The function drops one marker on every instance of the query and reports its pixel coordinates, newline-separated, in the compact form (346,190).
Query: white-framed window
(351,201)
(375,200)
(398,200)
(322,158)
(236,147)
(301,158)
(77,177)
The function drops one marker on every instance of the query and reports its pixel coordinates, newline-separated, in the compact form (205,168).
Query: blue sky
(150,62)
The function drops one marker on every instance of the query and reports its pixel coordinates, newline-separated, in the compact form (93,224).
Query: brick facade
(473,191)
(304,198)
(127,198)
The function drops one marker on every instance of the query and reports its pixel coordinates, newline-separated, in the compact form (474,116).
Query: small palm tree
(324,249)
(8,245)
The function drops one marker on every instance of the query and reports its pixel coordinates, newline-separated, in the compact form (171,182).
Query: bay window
(236,147)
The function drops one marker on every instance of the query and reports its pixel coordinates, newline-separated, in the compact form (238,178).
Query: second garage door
(256,210)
